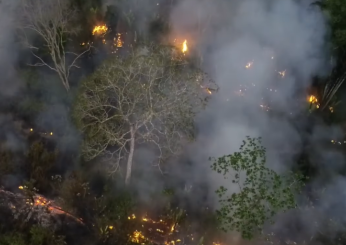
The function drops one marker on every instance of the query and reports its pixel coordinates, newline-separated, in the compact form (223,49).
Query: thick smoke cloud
(272,36)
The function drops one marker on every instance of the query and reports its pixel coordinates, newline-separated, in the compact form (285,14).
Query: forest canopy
(172,122)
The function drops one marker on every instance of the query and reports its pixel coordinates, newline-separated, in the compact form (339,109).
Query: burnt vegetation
(93,141)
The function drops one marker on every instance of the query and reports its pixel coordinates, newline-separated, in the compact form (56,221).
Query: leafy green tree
(35,235)
(13,238)
(262,192)
(43,236)
(149,98)
(336,10)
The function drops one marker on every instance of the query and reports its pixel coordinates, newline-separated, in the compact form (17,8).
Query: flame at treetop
(313,99)
(184,48)
(100,30)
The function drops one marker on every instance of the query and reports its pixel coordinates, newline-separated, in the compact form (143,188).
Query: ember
(40,201)
(118,41)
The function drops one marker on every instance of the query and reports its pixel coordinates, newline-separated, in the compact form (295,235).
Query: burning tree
(149,98)
(53,22)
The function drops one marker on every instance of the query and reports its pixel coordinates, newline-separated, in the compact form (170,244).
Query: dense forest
(192,122)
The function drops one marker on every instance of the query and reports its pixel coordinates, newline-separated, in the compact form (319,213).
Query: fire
(249,65)
(184,48)
(118,41)
(40,201)
(100,30)
(155,231)
(131,217)
(137,237)
(206,89)
(313,99)
(172,228)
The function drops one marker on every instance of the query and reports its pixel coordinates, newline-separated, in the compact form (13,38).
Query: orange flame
(312,99)
(119,42)
(184,48)
(100,30)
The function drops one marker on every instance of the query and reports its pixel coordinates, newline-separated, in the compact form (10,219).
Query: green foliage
(14,238)
(75,194)
(337,11)
(44,236)
(262,192)
(111,222)
(40,162)
(7,165)
(36,235)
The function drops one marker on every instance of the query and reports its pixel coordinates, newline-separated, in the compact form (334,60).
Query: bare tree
(53,22)
(150,98)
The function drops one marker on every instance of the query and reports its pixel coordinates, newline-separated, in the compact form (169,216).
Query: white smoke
(274,36)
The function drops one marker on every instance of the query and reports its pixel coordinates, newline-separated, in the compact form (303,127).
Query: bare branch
(150,98)
(52,21)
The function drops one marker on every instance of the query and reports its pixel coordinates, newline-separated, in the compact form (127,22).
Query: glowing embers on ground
(40,201)
(100,30)
(154,231)
(160,232)
(138,237)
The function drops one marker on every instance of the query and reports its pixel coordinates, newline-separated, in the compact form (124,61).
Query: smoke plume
(263,55)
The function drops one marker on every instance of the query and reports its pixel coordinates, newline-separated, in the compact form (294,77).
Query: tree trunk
(64,81)
(130,158)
